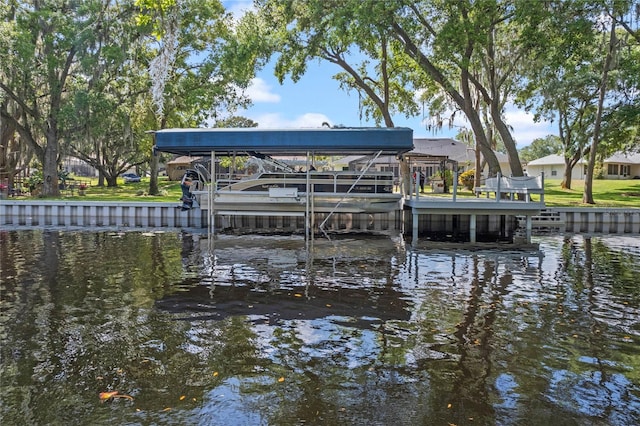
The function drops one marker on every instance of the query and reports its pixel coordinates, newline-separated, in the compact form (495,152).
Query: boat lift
(309,142)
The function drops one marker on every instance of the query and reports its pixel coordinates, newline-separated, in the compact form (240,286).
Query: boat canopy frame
(317,141)
(373,141)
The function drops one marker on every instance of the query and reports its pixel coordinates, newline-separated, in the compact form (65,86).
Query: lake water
(263,330)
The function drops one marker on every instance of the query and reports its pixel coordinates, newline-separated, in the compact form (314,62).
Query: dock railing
(512,187)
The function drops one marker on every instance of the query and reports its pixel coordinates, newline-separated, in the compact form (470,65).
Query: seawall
(99,213)
(45,213)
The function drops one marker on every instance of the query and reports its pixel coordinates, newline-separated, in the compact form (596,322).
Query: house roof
(555,159)
(449,148)
(622,158)
(184,159)
(432,149)
(438,147)
(549,160)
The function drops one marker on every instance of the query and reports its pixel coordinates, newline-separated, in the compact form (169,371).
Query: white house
(618,166)
(622,166)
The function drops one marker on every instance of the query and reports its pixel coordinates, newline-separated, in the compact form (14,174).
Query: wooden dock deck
(422,205)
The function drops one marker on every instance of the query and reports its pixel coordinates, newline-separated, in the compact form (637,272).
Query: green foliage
(63,175)
(236,122)
(207,66)
(147,7)
(621,121)
(78,72)
(36,178)
(541,147)
(582,77)
(41,62)
(448,177)
(233,163)
(598,171)
(348,35)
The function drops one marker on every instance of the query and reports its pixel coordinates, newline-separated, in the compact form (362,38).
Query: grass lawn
(169,191)
(606,193)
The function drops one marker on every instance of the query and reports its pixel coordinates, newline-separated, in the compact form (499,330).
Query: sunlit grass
(169,191)
(606,193)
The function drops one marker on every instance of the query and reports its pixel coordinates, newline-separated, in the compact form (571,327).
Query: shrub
(467,179)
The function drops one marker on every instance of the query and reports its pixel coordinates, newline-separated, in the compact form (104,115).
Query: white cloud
(525,130)
(277,121)
(260,91)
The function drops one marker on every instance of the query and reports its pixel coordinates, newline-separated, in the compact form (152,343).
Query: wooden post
(472,228)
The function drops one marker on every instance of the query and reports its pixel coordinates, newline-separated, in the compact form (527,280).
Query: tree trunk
(566,180)
(100,160)
(154,165)
(10,148)
(483,144)
(478,173)
(587,196)
(153,181)
(465,102)
(112,180)
(405,176)
(510,146)
(50,166)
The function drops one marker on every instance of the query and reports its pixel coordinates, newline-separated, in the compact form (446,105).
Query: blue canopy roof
(323,141)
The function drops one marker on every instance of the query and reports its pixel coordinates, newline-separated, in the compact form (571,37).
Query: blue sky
(317,98)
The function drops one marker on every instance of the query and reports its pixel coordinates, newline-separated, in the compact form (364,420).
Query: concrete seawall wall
(599,220)
(167,215)
(92,213)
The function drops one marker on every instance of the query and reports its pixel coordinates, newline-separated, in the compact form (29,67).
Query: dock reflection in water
(360,330)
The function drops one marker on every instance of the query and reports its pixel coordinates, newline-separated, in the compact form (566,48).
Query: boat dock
(503,209)
(470,215)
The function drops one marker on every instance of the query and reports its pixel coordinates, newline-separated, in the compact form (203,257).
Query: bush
(36,179)
(598,171)
(467,179)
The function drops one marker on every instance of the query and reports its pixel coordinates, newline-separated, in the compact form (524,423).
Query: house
(427,156)
(553,167)
(78,167)
(618,166)
(177,166)
(454,151)
(622,166)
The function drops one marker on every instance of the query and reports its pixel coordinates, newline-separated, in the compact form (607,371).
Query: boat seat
(283,192)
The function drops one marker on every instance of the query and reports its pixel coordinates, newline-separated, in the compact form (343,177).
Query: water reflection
(362,330)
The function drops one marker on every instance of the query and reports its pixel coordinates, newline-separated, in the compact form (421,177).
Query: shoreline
(152,215)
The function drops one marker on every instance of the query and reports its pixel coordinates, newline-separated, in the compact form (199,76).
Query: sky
(317,98)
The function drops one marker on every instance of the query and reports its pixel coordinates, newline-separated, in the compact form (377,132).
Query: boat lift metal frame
(364,171)
(312,141)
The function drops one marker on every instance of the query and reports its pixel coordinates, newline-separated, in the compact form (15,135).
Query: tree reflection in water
(361,330)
